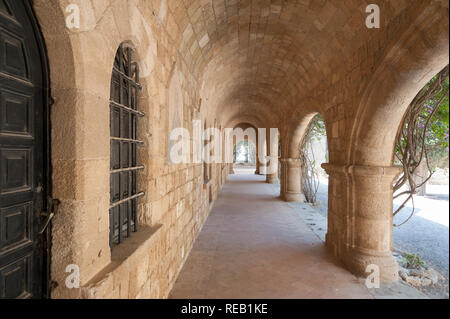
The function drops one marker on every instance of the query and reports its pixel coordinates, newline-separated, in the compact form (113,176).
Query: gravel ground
(427,232)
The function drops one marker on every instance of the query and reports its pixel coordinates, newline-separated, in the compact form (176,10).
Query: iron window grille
(124,115)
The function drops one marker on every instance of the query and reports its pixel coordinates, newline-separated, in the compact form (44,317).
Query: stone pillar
(262,155)
(291,187)
(257,171)
(231,154)
(272,157)
(360,220)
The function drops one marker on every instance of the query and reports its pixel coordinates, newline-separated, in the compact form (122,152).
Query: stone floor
(254,245)
(317,222)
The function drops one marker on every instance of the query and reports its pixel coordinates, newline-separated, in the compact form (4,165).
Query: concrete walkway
(253,245)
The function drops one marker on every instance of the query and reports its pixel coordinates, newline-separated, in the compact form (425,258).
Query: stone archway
(360,217)
(291,187)
(248,133)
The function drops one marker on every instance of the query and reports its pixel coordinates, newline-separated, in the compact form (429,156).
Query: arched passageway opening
(244,157)
(420,205)
(361,170)
(314,153)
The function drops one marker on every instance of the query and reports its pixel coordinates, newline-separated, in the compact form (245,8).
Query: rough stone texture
(266,63)
(423,277)
(360,233)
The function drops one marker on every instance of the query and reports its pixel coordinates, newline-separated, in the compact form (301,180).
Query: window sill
(130,252)
(142,240)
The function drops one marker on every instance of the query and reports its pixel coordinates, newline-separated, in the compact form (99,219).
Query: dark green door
(23,157)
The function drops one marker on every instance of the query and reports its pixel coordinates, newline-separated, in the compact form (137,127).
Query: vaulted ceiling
(263,56)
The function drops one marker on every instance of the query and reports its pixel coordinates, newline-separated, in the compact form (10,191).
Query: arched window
(124,108)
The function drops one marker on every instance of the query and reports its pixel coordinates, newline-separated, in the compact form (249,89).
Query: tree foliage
(310,177)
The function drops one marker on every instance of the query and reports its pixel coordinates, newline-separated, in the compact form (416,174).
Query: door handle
(53,210)
(47,222)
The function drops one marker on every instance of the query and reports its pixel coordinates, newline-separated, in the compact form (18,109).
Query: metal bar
(120,78)
(136,99)
(118,105)
(111,227)
(136,65)
(131,136)
(127,199)
(129,70)
(129,206)
(135,217)
(120,139)
(136,168)
(121,101)
(120,224)
(129,79)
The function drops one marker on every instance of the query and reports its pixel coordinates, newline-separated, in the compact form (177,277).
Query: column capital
(290,159)
(293,162)
(360,170)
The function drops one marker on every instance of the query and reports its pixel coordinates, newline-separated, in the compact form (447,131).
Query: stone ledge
(131,246)
(125,256)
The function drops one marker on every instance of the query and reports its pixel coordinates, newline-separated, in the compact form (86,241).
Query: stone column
(231,154)
(291,187)
(360,220)
(272,157)
(262,155)
(257,171)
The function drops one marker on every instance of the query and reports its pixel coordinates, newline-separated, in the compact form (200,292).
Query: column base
(272,180)
(357,263)
(292,197)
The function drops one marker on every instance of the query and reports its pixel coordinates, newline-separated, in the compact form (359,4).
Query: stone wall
(176,203)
